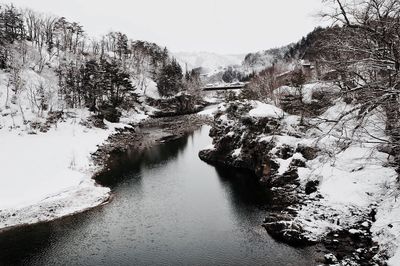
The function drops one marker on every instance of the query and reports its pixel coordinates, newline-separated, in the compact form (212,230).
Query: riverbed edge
(128,137)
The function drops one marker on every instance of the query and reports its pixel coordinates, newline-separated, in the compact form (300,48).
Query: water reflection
(169,209)
(123,166)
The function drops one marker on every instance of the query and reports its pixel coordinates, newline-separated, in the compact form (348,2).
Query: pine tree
(11,29)
(11,25)
(169,80)
(122,44)
(90,83)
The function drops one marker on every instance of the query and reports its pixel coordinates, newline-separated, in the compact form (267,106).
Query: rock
(287,232)
(110,113)
(262,149)
(311,187)
(330,259)
(285,152)
(307,152)
(288,178)
(281,227)
(297,163)
(372,215)
(366,224)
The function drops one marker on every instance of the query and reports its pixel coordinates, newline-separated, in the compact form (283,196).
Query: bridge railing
(220,88)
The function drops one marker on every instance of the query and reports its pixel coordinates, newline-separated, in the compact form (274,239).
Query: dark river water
(170,208)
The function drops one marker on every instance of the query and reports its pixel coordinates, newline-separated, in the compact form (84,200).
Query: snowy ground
(387,226)
(354,176)
(47,175)
(146,87)
(210,110)
(44,176)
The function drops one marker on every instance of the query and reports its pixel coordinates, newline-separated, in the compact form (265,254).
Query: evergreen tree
(116,82)
(169,80)
(91,83)
(122,44)
(11,29)
(11,25)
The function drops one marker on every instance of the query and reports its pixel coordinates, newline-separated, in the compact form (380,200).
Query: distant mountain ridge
(207,60)
(263,59)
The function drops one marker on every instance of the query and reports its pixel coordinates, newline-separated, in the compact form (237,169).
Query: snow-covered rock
(327,176)
(265,110)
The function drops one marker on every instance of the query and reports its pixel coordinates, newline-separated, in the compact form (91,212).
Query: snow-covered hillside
(213,66)
(46,168)
(263,59)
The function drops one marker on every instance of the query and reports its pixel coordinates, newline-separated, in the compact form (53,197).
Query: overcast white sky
(222,26)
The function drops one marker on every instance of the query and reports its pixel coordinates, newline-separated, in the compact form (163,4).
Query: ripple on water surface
(170,208)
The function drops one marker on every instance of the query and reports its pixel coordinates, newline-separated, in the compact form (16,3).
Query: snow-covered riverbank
(327,177)
(46,167)
(49,175)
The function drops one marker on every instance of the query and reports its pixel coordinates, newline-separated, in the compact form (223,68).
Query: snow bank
(387,227)
(265,110)
(237,152)
(307,91)
(146,87)
(39,169)
(36,166)
(44,176)
(343,160)
(209,111)
(354,178)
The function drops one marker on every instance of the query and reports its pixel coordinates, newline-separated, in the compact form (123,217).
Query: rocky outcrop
(254,143)
(254,154)
(273,146)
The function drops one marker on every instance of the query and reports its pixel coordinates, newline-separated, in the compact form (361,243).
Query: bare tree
(367,59)
(263,84)
(38,95)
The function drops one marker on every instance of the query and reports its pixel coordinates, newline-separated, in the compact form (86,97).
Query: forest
(301,141)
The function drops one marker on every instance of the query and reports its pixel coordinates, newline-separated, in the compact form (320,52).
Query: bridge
(234,86)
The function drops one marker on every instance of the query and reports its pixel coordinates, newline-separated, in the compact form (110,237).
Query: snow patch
(236,153)
(266,110)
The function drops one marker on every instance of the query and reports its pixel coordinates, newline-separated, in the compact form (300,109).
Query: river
(169,208)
